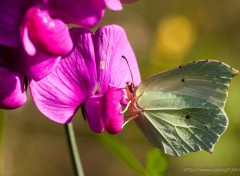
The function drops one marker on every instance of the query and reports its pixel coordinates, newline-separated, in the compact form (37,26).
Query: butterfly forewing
(183,107)
(208,80)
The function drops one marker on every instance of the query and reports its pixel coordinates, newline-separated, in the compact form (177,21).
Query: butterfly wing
(183,108)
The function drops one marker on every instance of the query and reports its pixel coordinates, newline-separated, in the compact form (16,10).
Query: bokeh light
(174,38)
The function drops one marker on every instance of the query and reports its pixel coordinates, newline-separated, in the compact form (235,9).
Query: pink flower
(42,24)
(93,77)
(34,36)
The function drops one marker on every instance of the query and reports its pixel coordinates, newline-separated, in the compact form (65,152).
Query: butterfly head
(130,87)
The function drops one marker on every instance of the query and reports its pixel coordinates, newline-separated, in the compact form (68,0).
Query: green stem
(73,150)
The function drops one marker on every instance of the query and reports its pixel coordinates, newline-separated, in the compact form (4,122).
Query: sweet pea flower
(33,37)
(93,77)
(40,28)
(14,73)
(42,24)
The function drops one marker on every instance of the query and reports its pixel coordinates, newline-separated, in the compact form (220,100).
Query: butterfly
(182,110)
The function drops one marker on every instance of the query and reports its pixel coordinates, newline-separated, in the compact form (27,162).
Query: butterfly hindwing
(183,108)
(189,125)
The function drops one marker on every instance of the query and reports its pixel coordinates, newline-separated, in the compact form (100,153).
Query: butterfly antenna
(128,66)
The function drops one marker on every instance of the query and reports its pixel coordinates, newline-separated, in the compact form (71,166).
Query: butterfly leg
(126,108)
(131,118)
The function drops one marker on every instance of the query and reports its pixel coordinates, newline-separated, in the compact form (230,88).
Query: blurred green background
(163,34)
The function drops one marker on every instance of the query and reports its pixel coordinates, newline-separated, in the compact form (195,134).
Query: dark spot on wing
(180,66)
(207,126)
(183,80)
(188,116)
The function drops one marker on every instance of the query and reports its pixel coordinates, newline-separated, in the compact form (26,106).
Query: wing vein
(183,139)
(163,135)
(185,126)
(199,139)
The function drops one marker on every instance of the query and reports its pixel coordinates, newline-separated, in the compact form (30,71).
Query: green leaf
(182,110)
(121,151)
(155,164)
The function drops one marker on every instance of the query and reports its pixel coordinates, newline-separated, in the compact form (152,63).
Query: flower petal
(59,95)
(38,66)
(113,119)
(93,111)
(51,36)
(11,14)
(35,67)
(103,111)
(111,44)
(27,43)
(12,93)
(86,13)
(114,4)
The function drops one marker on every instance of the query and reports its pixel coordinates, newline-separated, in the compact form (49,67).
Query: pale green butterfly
(182,110)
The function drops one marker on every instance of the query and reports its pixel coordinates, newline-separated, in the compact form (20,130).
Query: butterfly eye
(131,87)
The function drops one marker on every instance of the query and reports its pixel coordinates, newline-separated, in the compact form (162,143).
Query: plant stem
(73,150)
